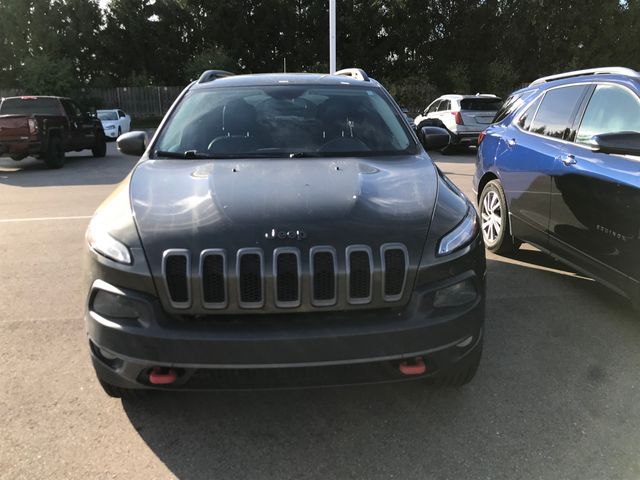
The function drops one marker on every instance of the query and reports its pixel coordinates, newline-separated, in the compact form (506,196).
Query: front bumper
(111,133)
(357,346)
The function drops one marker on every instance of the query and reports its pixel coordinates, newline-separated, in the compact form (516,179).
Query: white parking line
(43,219)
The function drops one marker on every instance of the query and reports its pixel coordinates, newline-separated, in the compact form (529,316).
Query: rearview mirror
(433,138)
(622,143)
(132,143)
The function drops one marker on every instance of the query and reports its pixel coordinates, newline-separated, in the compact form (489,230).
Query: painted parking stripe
(44,219)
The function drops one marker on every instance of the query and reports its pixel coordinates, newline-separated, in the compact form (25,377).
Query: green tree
(456,45)
(210,59)
(41,34)
(43,75)
(78,36)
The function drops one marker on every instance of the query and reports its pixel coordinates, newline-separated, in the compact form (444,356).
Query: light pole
(332,36)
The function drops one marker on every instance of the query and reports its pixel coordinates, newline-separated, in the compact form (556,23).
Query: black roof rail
(211,75)
(590,71)
(355,73)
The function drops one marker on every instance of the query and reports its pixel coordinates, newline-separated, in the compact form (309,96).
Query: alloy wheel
(491,217)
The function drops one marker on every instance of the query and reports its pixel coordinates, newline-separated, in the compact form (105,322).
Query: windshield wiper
(189,154)
(193,154)
(304,154)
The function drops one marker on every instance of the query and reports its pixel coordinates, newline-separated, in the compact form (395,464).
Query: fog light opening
(466,342)
(113,306)
(106,357)
(456,295)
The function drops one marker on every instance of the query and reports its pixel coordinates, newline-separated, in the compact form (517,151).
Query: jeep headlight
(104,244)
(461,235)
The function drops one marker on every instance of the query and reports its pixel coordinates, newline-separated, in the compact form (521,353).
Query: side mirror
(132,143)
(433,138)
(623,143)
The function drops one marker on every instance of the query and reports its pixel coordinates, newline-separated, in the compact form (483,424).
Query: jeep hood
(231,204)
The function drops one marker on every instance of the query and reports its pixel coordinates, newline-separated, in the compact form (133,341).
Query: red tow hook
(162,376)
(414,366)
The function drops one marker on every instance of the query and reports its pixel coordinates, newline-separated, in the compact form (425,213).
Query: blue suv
(559,168)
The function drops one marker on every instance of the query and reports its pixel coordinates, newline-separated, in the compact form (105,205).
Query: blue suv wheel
(494,219)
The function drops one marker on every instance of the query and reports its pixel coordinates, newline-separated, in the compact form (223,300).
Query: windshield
(107,115)
(481,104)
(283,121)
(30,106)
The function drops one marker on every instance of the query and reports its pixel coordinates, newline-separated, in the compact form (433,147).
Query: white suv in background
(465,116)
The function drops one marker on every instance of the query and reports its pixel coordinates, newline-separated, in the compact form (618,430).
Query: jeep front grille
(323,276)
(176,272)
(394,266)
(286,272)
(250,278)
(359,273)
(213,265)
(290,275)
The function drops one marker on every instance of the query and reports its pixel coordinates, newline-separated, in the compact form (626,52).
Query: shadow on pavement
(80,169)
(529,256)
(546,385)
(456,174)
(467,155)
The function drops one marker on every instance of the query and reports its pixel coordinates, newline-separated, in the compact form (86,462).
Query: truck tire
(100,148)
(54,158)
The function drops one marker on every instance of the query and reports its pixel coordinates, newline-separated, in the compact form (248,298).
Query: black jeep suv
(279,230)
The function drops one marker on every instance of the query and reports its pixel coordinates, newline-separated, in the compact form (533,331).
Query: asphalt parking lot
(557,394)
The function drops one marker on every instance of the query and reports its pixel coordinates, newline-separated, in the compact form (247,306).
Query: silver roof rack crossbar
(355,73)
(589,71)
(210,75)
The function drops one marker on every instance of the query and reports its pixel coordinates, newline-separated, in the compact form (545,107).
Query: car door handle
(567,159)
(511,142)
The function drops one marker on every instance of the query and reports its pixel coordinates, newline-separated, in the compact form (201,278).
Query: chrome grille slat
(286,272)
(250,275)
(323,268)
(362,277)
(395,261)
(359,274)
(213,273)
(176,272)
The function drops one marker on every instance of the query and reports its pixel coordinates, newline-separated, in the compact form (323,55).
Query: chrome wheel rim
(491,217)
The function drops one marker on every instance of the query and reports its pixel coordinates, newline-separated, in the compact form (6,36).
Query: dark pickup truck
(47,128)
